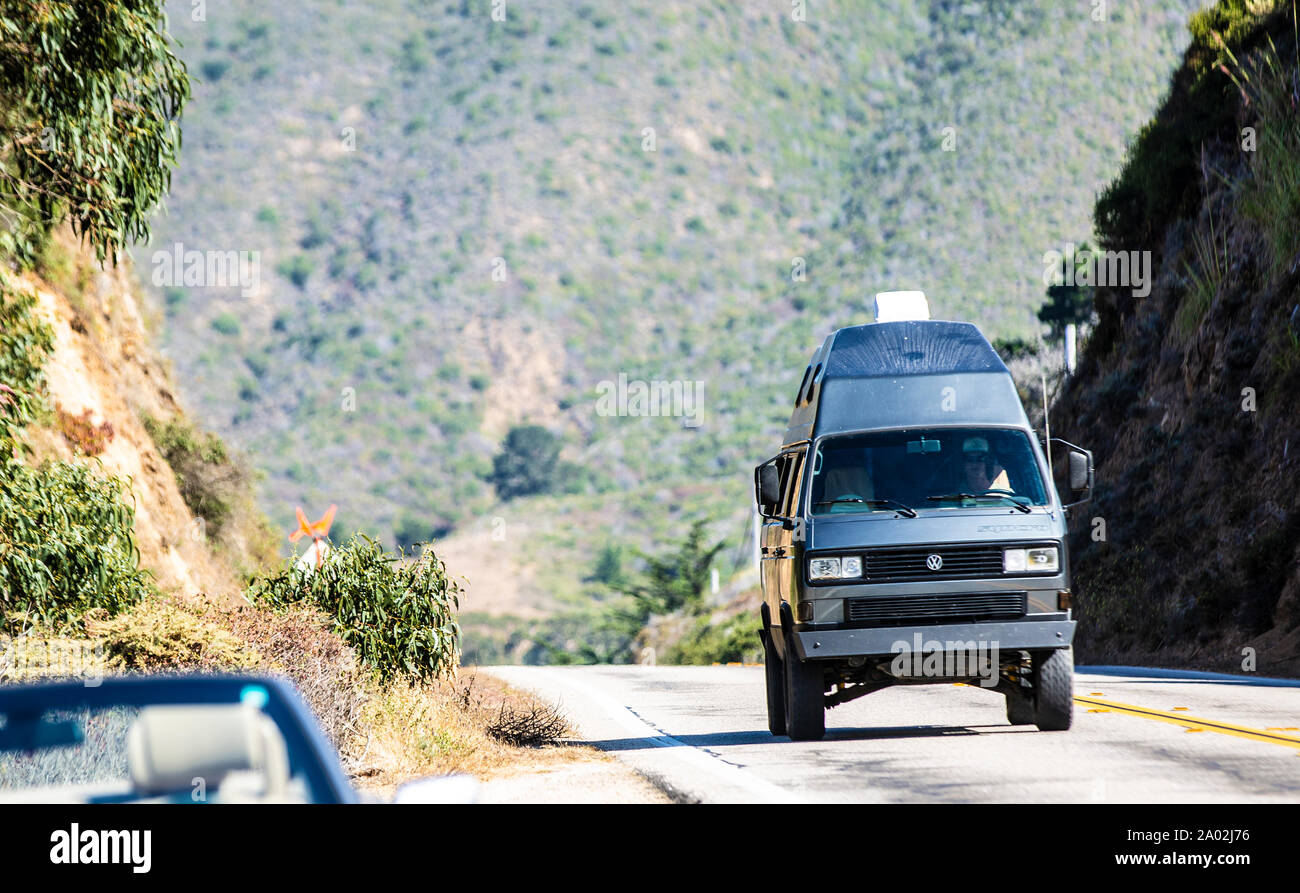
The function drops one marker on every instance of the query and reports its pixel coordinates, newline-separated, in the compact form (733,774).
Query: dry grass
(442,727)
(159,636)
(298,643)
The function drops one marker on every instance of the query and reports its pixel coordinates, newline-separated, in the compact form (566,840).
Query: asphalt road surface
(700,734)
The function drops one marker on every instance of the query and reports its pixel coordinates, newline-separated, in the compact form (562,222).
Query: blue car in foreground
(165,739)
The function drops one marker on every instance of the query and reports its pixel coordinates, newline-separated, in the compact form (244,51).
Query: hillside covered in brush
(465,224)
(1191,396)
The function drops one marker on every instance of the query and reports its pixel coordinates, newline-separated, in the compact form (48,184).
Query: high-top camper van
(913,532)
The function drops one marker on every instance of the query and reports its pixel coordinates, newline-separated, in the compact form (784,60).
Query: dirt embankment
(104,372)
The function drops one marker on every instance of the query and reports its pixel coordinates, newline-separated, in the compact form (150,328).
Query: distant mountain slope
(388,158)
(1191,396)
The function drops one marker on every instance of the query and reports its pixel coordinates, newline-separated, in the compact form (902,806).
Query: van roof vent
(895,306)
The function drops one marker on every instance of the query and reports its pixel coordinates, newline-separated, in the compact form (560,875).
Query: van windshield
(925,469)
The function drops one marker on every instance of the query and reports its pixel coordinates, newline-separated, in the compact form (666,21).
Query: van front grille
(936,606)
(955,563)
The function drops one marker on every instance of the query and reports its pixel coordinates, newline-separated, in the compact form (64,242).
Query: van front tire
(775,672)
(1054,689)
(805,708)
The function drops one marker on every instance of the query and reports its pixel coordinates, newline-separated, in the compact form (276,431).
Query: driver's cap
(975,445)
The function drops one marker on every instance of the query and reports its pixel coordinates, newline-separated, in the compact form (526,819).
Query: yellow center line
(1192,723)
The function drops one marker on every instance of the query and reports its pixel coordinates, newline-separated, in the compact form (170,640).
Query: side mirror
(1080,471)
(767,488)
(1080,474)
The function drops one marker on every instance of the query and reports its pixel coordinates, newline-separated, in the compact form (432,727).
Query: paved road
(701,734)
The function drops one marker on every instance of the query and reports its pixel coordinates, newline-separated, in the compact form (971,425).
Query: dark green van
(912,531)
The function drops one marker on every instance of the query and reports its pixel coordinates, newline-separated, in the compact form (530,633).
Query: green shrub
(732,641)
(411,531)
(67,544)
(1272,195)
(214,69)
(297,269)
(217,487)
(25,341)
(205,473)
(1233,20)
(398,613)
(226,324)
(1015,348)
(1204,276)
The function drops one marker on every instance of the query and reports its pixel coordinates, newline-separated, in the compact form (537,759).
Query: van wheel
(805,708)
(1054,689)
(775,674)
(1020,710)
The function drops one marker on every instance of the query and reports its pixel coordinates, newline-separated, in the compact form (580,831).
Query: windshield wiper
(905,510)
(1024,509)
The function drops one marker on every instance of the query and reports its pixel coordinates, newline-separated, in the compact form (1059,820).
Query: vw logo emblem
(934,562)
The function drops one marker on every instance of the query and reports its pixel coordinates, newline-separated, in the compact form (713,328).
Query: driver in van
(980,469)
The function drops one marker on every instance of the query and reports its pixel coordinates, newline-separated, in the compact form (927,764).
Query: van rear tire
(1054,689)
(805,706)
(1020,710)
(775,673)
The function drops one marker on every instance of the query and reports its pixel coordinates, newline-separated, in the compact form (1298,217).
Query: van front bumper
(1041,633)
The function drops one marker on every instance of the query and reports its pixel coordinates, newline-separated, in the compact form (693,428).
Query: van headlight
(837,567)
(1040,560)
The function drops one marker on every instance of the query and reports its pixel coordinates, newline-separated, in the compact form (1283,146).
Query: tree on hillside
(674,581)
(677,580)
(529,463)
(90,95)
(412,531)
(1015,348)
(1067,303)
(609,566)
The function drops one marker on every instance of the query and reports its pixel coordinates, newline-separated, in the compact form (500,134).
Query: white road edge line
(636,726)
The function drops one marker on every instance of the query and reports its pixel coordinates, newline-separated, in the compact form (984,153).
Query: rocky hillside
(1191,396)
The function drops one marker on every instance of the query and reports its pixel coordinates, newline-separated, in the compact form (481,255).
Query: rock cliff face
(1190,397)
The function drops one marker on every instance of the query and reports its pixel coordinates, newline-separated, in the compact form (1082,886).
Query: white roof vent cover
(893,306)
